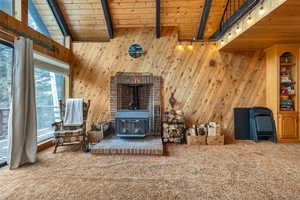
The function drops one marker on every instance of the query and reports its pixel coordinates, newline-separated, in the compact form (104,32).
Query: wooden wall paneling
(205,93)
(62,53)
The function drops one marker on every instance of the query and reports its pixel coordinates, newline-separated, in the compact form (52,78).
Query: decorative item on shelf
(212,63)
(286,58)
(173,126)
(172,100)
(287,90)
(135,51)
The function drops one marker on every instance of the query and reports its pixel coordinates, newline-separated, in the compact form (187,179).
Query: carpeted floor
(239,171)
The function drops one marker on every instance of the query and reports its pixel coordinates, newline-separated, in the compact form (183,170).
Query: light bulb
(229,36)
(238,29)
(222,42)
(180,47)
(249,20)
(261,10)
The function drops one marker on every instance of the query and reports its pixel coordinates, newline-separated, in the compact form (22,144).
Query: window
(6,6)
(42,20)
(6,58)
(49,90)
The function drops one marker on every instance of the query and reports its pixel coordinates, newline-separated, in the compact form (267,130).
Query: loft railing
(234,10)
(231,7)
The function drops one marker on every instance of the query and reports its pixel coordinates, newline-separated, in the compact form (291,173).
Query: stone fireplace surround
(149,96)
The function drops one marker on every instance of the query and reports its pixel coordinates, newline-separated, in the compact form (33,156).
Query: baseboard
(45,145)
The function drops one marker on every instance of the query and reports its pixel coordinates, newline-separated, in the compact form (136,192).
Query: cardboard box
(196,140)
(215,140)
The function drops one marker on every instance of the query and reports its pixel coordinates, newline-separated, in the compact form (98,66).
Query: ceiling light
(238,29)
(190,46)
(229,36)
(222,42)
(180,47)
(261,9)
(249,19)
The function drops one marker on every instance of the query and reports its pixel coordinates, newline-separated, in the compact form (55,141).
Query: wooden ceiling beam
(59,18)
(157,21)
(107,18)
(203,20)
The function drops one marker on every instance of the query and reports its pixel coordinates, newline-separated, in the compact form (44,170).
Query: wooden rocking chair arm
(57,123)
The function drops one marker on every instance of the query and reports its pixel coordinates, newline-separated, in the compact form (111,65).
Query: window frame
(6,43)
(36,16)
(64,97)
(33,11)
(12,9)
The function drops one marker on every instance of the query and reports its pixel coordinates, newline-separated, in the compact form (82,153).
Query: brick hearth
(150,145)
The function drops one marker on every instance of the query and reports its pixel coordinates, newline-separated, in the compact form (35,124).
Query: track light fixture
(180,46)
(238,29)
(190,46)
(229,35)
(262,9)
(249,19)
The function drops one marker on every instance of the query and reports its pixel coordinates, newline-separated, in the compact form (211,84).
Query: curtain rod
(38,41)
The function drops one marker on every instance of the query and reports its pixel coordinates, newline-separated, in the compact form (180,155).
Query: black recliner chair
(262,124)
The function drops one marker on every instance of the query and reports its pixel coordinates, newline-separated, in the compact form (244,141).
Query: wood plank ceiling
(215,16)
(185,15)
(86,21)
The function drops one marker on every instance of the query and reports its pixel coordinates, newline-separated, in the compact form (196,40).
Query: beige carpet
(240,171)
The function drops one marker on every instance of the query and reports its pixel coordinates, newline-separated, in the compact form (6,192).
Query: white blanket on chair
(74,112)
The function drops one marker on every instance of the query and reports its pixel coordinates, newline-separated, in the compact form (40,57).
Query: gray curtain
(22,118)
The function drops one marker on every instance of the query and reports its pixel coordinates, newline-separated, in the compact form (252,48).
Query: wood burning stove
(135,104)
(132,123)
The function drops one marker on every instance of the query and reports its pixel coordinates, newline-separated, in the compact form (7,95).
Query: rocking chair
(70,135)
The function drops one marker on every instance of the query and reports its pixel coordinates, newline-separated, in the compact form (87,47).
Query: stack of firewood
(173,126)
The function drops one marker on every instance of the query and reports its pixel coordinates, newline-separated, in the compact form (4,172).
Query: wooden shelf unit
(282,97)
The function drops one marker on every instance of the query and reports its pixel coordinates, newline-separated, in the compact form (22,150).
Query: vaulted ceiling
(85,18)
